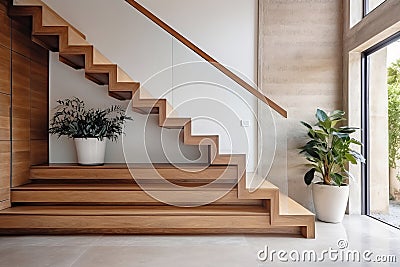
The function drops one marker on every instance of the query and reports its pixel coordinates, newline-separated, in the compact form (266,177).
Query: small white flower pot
(330,202)
(90,151)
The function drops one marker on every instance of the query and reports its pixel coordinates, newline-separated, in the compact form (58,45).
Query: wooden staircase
(76,199)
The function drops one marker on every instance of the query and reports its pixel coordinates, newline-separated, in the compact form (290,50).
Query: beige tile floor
(361,233)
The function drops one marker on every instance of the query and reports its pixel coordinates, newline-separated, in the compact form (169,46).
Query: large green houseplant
(90,128)
(329,152)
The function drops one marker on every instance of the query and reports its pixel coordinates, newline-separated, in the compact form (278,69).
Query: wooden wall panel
(29,103)
(39,152)
(21,97)
(5,71)
(21,162)
(5,104)
(23,87)
(5,161)
(5,22)
(39,54)
(21,38)
(39,105)
(39,101)
(5,116)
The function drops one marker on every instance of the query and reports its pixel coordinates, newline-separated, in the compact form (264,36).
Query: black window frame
(365,7)
(365,137)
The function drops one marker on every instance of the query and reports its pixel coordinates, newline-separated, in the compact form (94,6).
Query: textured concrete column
(378,157)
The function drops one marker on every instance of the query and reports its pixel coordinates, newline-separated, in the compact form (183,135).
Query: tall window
(370,5)
(381,130)
(361,8)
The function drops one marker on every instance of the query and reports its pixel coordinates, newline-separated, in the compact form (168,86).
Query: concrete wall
(378,157)
(300,64)
(142,49)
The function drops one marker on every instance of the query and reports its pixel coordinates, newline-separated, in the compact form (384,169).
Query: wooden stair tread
(124,166)
(175,123)
(288,206)
(50,17)
(122,76)
(114,187)
(100,59)
(75,39)
(135,210)
(267,185)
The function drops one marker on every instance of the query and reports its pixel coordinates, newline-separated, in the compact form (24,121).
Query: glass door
(381,128)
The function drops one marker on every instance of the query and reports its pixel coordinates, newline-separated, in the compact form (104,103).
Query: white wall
(226,30)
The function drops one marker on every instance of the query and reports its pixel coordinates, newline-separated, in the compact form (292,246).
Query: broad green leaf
(321,115)
(337,178)
(309,176)
(306,124)
(351,158)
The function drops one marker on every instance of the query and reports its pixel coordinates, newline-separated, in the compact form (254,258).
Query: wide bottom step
(138,220)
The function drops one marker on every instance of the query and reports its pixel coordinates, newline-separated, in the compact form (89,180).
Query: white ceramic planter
(330,202)
(90,151)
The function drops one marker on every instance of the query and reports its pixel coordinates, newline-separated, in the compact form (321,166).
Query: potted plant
(329,152)
(90,128)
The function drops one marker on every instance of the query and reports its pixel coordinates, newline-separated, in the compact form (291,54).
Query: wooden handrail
(207,57)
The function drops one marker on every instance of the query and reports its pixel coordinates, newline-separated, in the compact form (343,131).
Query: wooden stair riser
(128,197)
(141,225)
(138,220)
(216,174)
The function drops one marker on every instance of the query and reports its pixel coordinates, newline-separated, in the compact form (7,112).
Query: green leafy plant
(329,150)
(74,120)
(394,113)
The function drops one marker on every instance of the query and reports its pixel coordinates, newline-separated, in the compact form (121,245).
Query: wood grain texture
(5,28)
(21,41)
(5,163)
(139,171)
(21,97)
(21,162)
(139,223)
(5,204)
(5,70)
(39,151)
(5,194)
(137,210)
(39,101)
(126,197)
(39,54)
(5,103)
(41,186)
